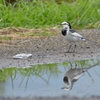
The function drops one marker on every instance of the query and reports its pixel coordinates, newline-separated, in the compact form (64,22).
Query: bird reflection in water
(72,75)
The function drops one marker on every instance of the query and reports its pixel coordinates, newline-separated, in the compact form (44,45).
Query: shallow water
(47,80)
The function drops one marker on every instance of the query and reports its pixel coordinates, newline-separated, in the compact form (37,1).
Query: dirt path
(48,49)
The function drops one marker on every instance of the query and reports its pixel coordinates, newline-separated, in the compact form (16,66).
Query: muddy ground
(45,50)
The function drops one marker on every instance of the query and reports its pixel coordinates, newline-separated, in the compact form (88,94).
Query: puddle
(47,80)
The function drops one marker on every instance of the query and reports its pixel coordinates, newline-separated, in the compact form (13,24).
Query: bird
(72,75)
(71,35)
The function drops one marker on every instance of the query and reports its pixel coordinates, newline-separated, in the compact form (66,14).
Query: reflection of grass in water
(35,71)
(7,73)
(39,70)
(84,63)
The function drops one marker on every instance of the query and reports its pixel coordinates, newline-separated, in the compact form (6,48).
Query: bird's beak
(63,88)
(67,89)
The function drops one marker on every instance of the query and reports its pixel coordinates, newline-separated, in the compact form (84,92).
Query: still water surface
(47,80)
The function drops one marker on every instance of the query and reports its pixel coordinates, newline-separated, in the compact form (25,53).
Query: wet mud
(48,49)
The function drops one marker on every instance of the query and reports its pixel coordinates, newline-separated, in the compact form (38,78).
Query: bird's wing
(75,74)
(76,77)
(75,34)
(72,30)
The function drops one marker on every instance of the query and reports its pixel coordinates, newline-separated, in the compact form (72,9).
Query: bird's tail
(85,69)
(94,65)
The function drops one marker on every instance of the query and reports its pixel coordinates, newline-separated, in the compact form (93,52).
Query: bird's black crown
(69,25)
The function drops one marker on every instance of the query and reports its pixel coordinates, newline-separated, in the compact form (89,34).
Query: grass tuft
(38,14)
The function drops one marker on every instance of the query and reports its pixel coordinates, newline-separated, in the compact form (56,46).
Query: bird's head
(68,87)
(68,84)
(66,25)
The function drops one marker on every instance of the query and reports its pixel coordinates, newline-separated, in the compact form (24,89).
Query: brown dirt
(47,49)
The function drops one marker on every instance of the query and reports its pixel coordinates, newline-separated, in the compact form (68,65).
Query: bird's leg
(75,65)
(69,47)
(74,48)
(70,64)
(90,76)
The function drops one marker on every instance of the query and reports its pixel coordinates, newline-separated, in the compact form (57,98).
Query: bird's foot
(69,52)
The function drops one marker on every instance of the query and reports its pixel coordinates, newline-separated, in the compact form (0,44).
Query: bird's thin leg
(70,64)
(90,76)
(74,48)
(75,65)
(69,47)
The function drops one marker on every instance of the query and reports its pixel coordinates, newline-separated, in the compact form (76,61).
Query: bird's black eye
(65,79)
(64,32)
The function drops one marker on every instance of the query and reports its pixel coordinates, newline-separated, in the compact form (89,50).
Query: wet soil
(45,50)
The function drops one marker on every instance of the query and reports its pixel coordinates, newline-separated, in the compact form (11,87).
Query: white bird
(72,75)
(71,35)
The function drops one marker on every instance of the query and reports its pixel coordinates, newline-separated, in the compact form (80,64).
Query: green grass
(5,38)
(37,14)
(39,34)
